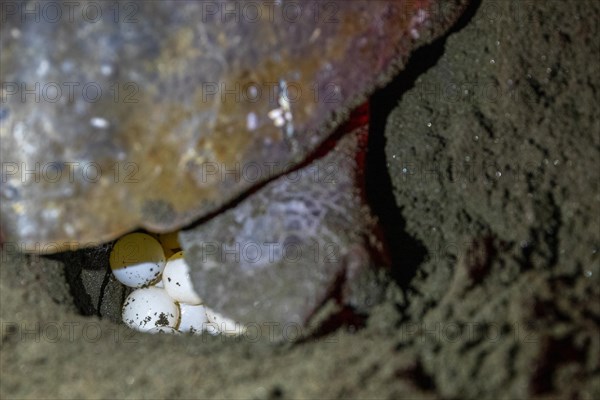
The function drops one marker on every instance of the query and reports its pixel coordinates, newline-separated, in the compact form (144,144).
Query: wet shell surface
(139,130)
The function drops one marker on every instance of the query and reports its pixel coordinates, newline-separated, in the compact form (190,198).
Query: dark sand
(496,244)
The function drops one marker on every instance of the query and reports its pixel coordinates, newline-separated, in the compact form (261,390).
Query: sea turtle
(117,116)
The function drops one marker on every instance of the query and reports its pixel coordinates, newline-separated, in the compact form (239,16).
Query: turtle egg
(177,281)
(149,308)
(193,318)
(137,260)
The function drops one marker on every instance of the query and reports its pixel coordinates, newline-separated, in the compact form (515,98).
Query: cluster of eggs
(164,299)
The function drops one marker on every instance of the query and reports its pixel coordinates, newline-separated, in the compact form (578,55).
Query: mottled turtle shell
(160,112)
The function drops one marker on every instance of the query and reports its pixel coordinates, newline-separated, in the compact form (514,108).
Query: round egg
(148,308)
(177,281)
(137,260)
(193,318)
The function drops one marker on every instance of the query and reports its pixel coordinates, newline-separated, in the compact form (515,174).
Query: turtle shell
(162,112)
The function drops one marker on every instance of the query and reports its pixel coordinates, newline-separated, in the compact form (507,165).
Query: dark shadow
(406,253)
(95,258)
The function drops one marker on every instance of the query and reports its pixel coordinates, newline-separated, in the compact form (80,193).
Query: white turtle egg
(177,281)
(137,260)
(220,324)
(149,308)
(193,318)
